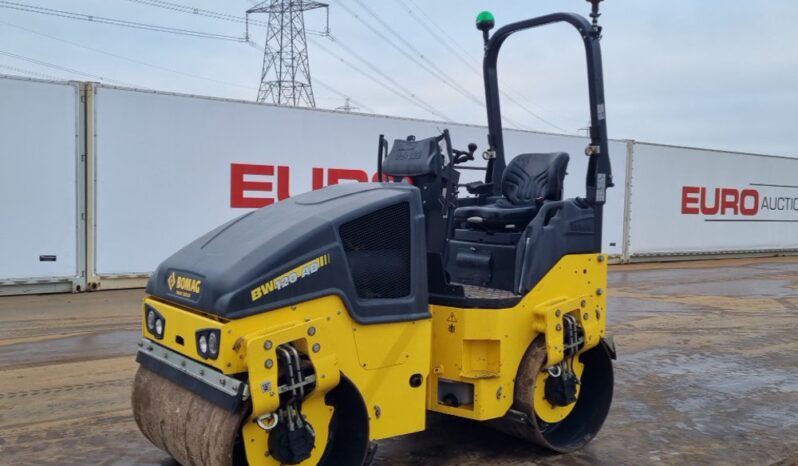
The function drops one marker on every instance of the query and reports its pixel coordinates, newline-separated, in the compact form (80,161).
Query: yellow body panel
(379,359)
(481,347)
(484,347)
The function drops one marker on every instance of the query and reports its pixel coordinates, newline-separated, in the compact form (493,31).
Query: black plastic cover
(291,252)
(560,228)
(413,158)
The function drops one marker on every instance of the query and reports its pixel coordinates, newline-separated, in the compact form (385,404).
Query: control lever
(461,156)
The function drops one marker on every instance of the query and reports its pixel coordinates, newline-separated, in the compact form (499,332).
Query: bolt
(149,348)
(583,303)
(601,258)
(600,291)
(183,363)
(585,316)
(165,355)
(499,393)
(558,327)
(267,344)
(202,372)
(269,363)
(312,331)
(557,313)
(141,343)
(293,308)
(316,347)
(223,382)
(377,411)
(598,314)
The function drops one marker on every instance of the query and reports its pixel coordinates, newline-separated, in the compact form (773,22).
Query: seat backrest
(529,177)
(413,158)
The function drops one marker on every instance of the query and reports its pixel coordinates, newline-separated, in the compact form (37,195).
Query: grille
(377,248)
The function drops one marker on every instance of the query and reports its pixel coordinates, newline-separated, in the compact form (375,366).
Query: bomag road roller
(306,331)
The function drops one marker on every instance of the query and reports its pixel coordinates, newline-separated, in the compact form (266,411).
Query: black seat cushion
(499,212)
(528,181)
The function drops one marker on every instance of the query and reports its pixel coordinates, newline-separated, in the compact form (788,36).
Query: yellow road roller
(306,331)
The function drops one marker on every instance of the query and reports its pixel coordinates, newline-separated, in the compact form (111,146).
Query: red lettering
(238,186)
(318,178)
(335,175)
(281,184)
(388,178)
(729,200)
(283,180)
(705,209)
(689,200)
(754,196)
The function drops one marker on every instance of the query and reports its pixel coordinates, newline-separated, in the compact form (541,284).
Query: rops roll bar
(599,172)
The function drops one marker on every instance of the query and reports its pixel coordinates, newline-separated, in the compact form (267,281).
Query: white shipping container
(40,182)
(695,201)
(171,167)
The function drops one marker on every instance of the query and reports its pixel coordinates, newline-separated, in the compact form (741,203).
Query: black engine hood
(290,252)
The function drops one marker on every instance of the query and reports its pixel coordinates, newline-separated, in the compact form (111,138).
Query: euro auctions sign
(758,202)
(694,201)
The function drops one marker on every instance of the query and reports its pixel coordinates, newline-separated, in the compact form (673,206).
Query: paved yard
(707,374)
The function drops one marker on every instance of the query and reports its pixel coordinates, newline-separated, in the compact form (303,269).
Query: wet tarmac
(707,374)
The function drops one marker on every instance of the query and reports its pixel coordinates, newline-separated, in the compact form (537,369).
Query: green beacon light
(485,23)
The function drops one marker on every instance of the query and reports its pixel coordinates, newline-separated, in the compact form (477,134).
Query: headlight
(151,320)
(208,343)
(213,344)
(155,322)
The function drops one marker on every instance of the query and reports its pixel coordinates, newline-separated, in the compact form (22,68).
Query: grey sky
(710,74)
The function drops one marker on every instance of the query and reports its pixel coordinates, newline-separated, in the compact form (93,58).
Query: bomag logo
(289,278)
(187,287)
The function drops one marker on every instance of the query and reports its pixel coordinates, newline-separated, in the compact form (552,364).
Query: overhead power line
(48,76)
(425,21)
(343,95)
(116,22)
(420,58)
(394,87)
(214,14)
(63,68)
(441,29)
(128,59)
(31,73)
(200,12)
(403,92)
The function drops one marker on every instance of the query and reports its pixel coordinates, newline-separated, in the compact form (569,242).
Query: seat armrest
(479,187)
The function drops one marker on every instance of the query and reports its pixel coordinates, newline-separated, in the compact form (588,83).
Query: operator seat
(528,181)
